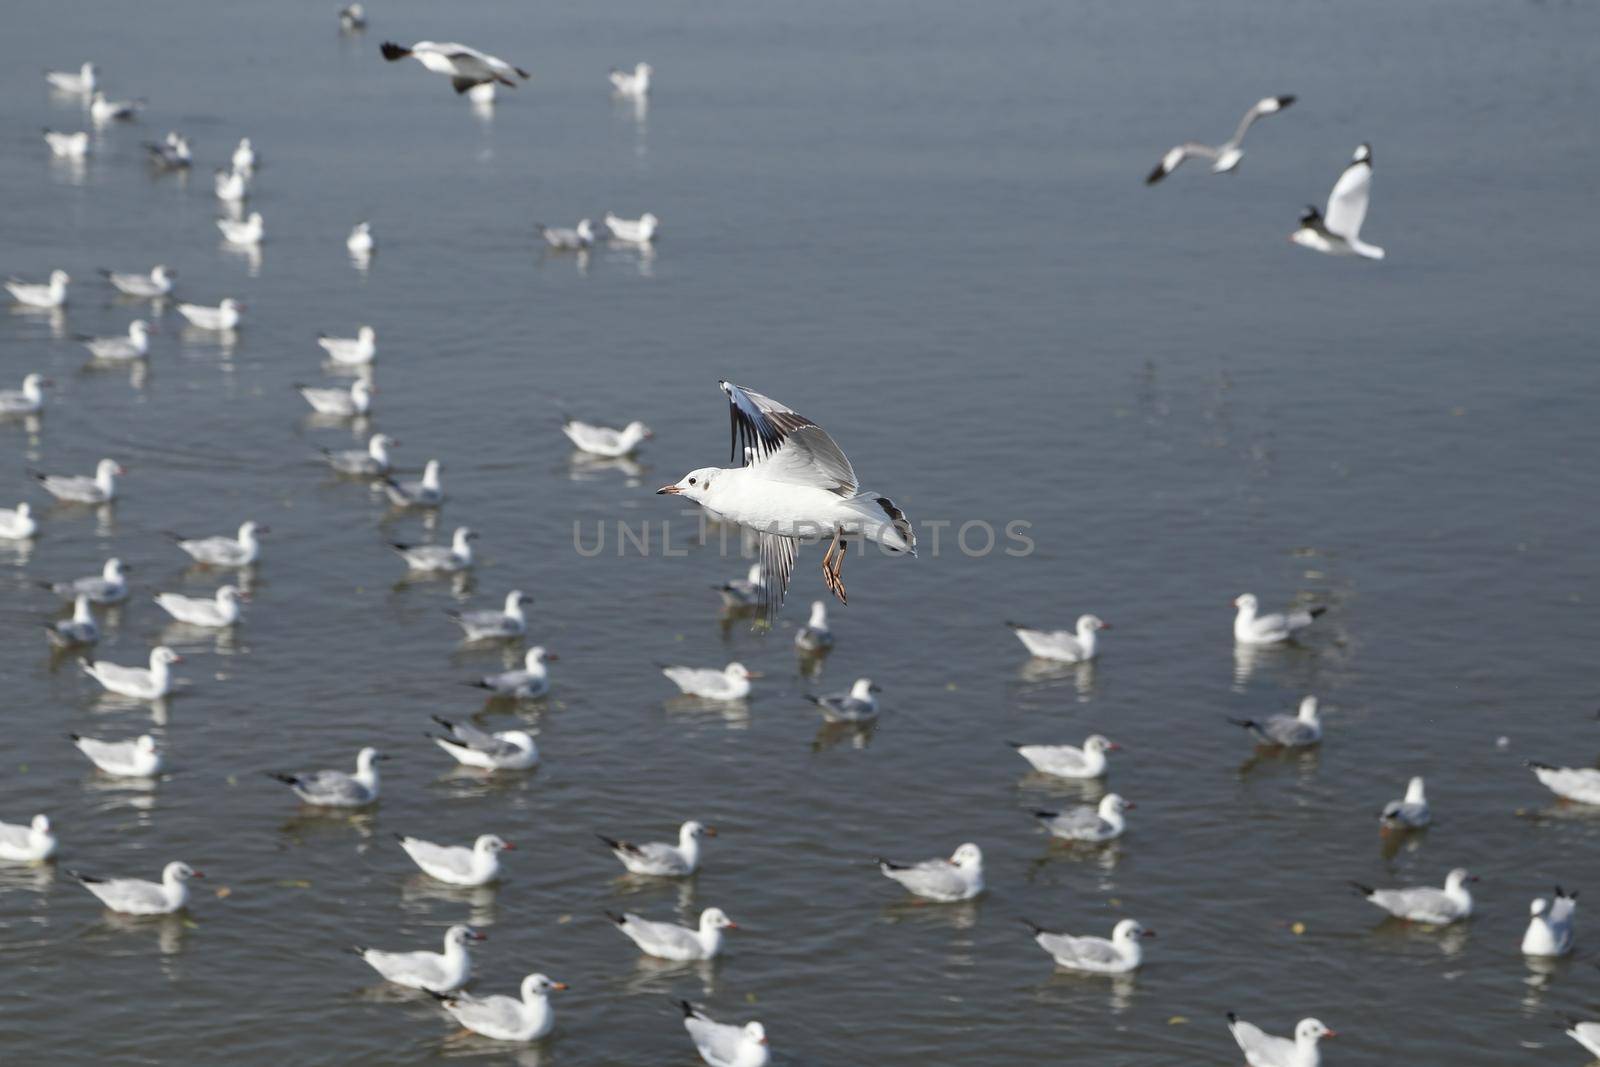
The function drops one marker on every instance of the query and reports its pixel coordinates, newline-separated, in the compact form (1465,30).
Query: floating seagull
(635,84)
(220,551)
(102,109)
(1225,156)
(435,972)
(730,683)
(659,858)
(639,231)
(1585,1034)
(532,681)
(138,758)
(1550,926)
(454,865)
(1069,761)
(1063,646)
(99,488)
(18,523)
(172,153)
(213,611)
(27,844)
(81,81)
(604,441)
(669,941)
(1261,1049)
(142,683)
(225,316)
(248,232)
(116,349)
(743,592)
(503,1018)
(133,896)
(244,157)
(360,242)
(1122,954)
(428,492)
(110,587)
(51,294)
(958,878)
(371,461)
(1408,814)
(1287,731)
(501,625)
(568,240)
(465,66)
(1338,233)
(231,185)
(504,750)
(1581,784)
(67,145)
(1425,904)
(81,629)
(344,403)
(352,17)
(146,286)
(858,705)
(1092,824)
(800,484)
(1252,629)
(29,400)
(815,636)
(724,1045)
(457,556)
(351,351)
(336,789)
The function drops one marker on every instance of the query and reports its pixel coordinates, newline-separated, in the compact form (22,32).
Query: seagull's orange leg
(833,567)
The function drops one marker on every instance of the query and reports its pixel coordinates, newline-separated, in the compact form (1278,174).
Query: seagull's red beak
(197,874)
(1330,1033)
(510,847)
(670,489)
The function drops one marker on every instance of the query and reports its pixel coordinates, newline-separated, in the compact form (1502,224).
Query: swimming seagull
(636,83)
(532,681)
(1425,904)
(815,636)
(29,400)
(455,865)
(134,896)
(213,612)
(244,157)
(1063,646)
(1549,930)
(639,231)
(1121,954)
(103,109)
(725,1045)
(225,316)
(858,705)
(797,483)
(336,789)
(231,185)
(1252,629)
(1581,784)
(568,240)
(67,145)
(1287,731)
(131,283)
(141,683)
(428,492)
(239,551)
(27,844)
(344,403)
(669,941)
(371,461)
(360,242)
(352,351)
(465,66)
(1069,761)
(944,880)
(171,153)
(352,17)
(435,972)
(81,81)
(1338,233)
(456,556)
(248,232)
(51,294)
(1410,813)
(603,440)
(81,629)
(743,592)
(1261,1049)
(504,750)
(1225,156)
(501,625)
(1104,822)
(730,683)
(1585,1034)
(135,345)
(109,587)
(502,1018)
(98,488)
(139,758)
(18,523)
(662,859)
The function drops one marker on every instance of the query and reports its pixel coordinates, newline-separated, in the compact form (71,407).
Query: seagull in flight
(467,67)
(1338,231)
(1225,156)
(795,483)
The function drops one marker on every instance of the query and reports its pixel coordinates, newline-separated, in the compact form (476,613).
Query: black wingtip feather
(1364,890)
(392,51)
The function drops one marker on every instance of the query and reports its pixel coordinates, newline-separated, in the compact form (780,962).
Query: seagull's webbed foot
(833,568)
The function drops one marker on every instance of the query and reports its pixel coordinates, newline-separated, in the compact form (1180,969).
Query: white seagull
(232,186)
(351,351)
(352,17)
(456,556)
(1063,646)
(858,705)
(435,972)
(81,629)
(815,636)
(29,400)
(220,551)
(639,231)
(1338,233)
(135,345)
(81,81)
(343,403)
(1424,903)
(669,941)
(1585,1034)
(369,462)
(743,592)
(565,239)
(18,523)
(1252,629)
(1287,731)
(51,294)
(134,896)
(1121,954)
(146,286)
(212,611)
(636,83)
(504,750)
(225,316)
(465,66)
(171,153)
(502,1018)
(1549,930)
(603,440)
(662,859)
(67,145)
(426,492)
(27,844)
(730,683)
(796,483)
(109,587)
(455,865)
(103,109)
(944,880)
(141,683)
(336,789)
(248,232)
(98,488)
(1069,761)
(1410,813)
(1261,1049)
(502,625)
(530,682)
(360,242)
(1104,822)
(1580,784)
(724,1045)
(1225,156)
(244,157)
(139,758)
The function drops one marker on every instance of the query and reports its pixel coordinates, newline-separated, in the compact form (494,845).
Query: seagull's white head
(112,571)
(1129,930)
(695,485)
(1091,623)
(740,671)
(649,220)
(1415,791)
(459,934)
(229,304)
(34,382)
(229,594)
(107,469)
(536,657)
(40,824)
(1113,804)
(1246,603)
(459,541)
(367,335)
(178,871)
(361,390)
(491,843)
(1308,709)
(24,510)
(865,688)
(638,429)
(139,330)
(755,1033)
(144,745)
(968,857)
(695,829)
(1458,878)
(1363,154)
(162,656)
(249,529)
(59,278)
(538,985)
(161,273)
(1097,743)
(521,738)
(1539,906)
(1310,1031)
(716,919)
(367,757)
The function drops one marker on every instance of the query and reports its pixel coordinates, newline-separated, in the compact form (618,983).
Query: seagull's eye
(691,481)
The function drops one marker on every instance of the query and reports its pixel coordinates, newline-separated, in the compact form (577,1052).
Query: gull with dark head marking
(134,896)
(669,941)
(81,629)
(662,859)
(504,750)
(29,400)
(447,559)
(858,705)
(1122,953)
(98,488)
(723,1044)
(434,972)
(141,683)
(1063,646)
(1224,157)
(1250,628)
(1300,730)
(1338,232)
(110,586)
(138,758)
(1424,903)
(1069,761)
(466,67)
(239,551)
(500,1018)
(1262,1049)
(796,483)
(1104,822)
(944,880)
(530,682)
(336,789)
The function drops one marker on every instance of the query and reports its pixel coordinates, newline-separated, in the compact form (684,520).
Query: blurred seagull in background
(1338,232)
(1225,156)
(466,67)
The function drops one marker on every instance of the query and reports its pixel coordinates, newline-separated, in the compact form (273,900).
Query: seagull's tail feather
(1248,724)
(814,699)
(392,51)
(86,879)
(359,950)
(1539,765)
(286,779)
(1019,625)
(1030,924)
(524,74)
(1318,611)
(479,684)
(620,920)
(612,843)
(173,536)
(400,548)
(1364,890)
(891,865)
(689,1010)
(1232,1018)
(884,523)
(104,272)
(1041,813)
(446,723)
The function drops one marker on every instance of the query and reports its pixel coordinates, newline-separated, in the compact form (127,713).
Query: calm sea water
(923,225)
